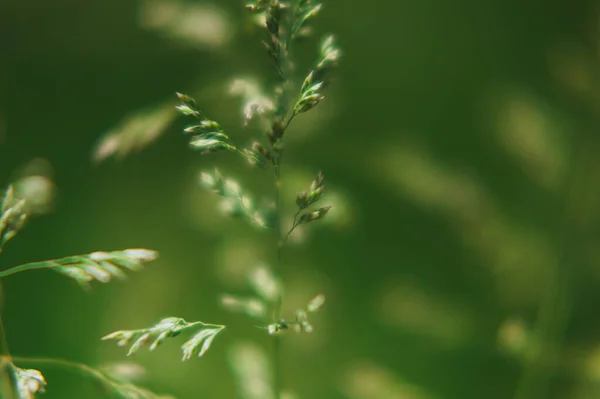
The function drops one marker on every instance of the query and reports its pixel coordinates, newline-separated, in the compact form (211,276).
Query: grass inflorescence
(285,23)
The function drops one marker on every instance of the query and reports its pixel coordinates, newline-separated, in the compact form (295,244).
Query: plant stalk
(27,267)
(277,377)
(284,66)
(80,368)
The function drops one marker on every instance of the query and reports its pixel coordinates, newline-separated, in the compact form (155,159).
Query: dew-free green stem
(80,368)
(27,267)
(277,379)
(294,225)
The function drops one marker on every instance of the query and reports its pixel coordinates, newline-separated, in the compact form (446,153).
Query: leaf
(166,328)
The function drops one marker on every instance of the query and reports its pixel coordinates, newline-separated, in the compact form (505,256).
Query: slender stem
(80,368)
(27,267)
(290,119)
(284,68)
(290,231)
(277,379)
(294,225)
(196,323)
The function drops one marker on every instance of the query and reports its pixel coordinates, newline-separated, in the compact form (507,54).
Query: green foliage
(284,22)
(100,266)
(168,328)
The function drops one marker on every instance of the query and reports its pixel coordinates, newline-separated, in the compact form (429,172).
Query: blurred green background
(459,142)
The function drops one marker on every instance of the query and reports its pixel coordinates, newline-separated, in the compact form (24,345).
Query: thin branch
(80,368)
(294,225)
(278,305)
(27,267)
